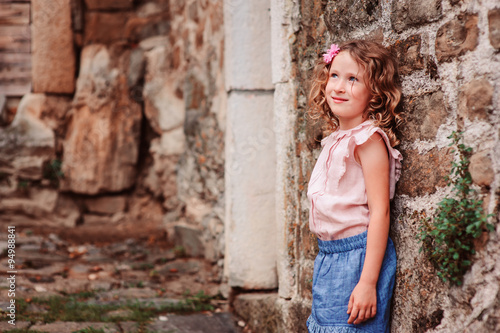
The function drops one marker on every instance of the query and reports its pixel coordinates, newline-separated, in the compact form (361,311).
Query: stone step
(194,323)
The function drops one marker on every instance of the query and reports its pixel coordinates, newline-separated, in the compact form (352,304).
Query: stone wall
(449,54)
(15,50)
(123,133)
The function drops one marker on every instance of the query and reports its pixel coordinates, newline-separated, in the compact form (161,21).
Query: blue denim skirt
(337,269)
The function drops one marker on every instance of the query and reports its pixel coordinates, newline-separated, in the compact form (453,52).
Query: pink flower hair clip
(331,53)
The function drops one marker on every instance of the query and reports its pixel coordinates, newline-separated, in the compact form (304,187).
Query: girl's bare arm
(374,161)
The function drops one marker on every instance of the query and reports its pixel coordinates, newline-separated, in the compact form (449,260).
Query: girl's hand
(362,303)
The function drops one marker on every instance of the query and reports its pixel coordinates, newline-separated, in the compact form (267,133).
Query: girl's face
(346,91)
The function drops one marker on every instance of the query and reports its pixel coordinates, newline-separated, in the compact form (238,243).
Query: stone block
(11,105)
(171,143)
(106,204)
(28,142)
(250,180)
(425,114)
(54,111)
(280,52)
(43,207)
(284,125)
(308,242)
(342,17)
(214,248)
(293,315)
(456,37)
(481,169)
(177,7)
(29,167)
(19,41)
(181,266)
(408,54)
(408,13)
(197,209)
(216,17)
(247,45)
(198,322)
(45,197)
(67,211)
(20,325)
(102,142)
(494,27)
(106,28)
(195,92)
(68,326)
(48,111)
(156,41)
(52,72)
(14,13)
(15,78)
(96,220)
(139,28)
(422,173)
(305,279)
(77,15)
(152,8)
(376,35)
(163,107)
(79,271)
(109,4)
(162,178)
(146,210)
(475,99)
(259,310)
(136,72)
(190,238)
(28,206)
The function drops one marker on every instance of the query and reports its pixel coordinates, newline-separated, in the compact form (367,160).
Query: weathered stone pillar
(250,147)
(283,120)
(53,55)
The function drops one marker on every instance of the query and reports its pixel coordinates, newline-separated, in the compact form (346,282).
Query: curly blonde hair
(382,79)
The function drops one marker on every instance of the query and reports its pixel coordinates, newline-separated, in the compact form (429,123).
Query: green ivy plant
(448,236)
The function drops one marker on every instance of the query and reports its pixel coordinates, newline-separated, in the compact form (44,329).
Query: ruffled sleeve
(395,156)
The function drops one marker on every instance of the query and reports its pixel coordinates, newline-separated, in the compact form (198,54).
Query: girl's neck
(347,125)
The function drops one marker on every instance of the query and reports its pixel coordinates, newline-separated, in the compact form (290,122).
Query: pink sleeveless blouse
(336,191)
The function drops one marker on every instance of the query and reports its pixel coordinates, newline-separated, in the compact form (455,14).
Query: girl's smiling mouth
(338,99)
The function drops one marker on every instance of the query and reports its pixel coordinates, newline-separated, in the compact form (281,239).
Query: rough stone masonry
(448,53)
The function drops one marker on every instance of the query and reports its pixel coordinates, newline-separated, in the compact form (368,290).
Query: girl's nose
(339,86)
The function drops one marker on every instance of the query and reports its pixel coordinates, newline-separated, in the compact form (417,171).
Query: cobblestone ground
(127,286)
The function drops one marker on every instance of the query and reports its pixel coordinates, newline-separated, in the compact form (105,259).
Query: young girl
(355,89)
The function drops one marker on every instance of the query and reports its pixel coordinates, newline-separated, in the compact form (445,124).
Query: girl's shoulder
(371,132)
(395,158)
(367,132)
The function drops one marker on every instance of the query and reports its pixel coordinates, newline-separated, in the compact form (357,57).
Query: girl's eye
(353,79)
(334,75)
